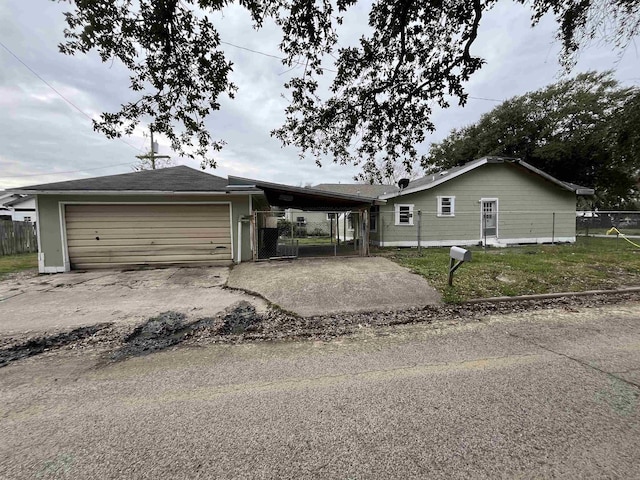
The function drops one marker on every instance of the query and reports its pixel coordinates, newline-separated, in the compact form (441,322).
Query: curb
(547,296)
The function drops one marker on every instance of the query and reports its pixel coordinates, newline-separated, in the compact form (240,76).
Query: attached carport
(309,200)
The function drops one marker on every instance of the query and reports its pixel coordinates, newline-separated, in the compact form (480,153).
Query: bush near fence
(17,237)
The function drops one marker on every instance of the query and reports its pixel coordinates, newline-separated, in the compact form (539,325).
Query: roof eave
(130,192)
(435,183)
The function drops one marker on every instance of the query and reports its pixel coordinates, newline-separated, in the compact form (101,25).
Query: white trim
(63,223)
(53,270)
(397,214)
(239,241)
(452,243)
(125,192)
(483,161)
(251,226)
(63,237)
(452,206)
(41,266)
(497,212)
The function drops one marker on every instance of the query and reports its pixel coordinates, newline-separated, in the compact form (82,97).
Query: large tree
(418,54)
(583,130)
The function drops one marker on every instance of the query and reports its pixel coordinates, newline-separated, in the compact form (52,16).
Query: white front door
(489,225)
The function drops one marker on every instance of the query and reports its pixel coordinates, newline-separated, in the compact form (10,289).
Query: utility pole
(152,153)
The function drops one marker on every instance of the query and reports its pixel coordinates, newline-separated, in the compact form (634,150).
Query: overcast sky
(44,139)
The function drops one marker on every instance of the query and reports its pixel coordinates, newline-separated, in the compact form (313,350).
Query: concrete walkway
(318,286)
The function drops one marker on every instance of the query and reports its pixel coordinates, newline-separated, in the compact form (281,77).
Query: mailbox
(460,254)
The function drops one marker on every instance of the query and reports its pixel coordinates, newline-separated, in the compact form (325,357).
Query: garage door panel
(142,225)
(146,209)
(110,235)
(88,233)
(93,266)
(110,242)
(147,250)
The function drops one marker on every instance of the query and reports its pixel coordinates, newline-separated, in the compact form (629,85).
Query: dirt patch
(241,323)
(37,345)
(170,328)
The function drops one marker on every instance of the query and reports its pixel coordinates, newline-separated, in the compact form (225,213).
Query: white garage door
(106,236)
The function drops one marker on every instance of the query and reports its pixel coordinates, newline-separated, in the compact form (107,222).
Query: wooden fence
(17,237)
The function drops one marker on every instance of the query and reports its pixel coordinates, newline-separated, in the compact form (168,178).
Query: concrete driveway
(62,301)
(318,286)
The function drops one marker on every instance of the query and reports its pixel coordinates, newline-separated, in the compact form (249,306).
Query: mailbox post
(460,255)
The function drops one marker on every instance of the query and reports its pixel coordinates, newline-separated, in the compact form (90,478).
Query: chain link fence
(598,223)
(410,227)
(296,233)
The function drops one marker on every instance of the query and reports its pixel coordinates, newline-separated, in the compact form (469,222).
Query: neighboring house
(348,222)
(491,200)
(5,197)
(22,209)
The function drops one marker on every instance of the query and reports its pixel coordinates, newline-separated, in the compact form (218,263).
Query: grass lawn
(591,263)
(17,263)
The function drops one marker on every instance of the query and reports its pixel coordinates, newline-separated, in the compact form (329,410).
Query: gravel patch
(241,322)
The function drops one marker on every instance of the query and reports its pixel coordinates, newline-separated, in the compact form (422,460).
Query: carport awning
(304,198)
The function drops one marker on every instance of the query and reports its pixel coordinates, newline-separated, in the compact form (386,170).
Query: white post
(239,241)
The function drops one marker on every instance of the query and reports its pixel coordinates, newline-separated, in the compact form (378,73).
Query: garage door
(107,236)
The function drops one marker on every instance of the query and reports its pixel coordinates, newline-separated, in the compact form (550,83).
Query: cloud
(41,134)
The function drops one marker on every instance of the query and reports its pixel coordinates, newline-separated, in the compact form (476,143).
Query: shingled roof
(171,179)
(365,190)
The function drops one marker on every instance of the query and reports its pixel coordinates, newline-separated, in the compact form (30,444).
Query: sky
(45,139)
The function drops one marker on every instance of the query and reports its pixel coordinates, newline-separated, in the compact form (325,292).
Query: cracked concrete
(320,286)
(69,300)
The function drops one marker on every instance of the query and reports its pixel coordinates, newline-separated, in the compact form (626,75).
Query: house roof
(357,189)
(430,181)
(18,201)
(306,198)
(171,179)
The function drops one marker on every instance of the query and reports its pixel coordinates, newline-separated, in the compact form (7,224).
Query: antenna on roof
(403,183)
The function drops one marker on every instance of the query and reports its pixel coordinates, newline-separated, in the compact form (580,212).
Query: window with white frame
(446,206)
(300,222)
(27,219)
(404,214)
(373,218)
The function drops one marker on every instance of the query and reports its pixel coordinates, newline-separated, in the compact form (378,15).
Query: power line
(326,69)
(271,55)
(68,171)
(56,91)
(486,99)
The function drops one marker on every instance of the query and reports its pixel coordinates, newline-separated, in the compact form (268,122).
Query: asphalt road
(546,394)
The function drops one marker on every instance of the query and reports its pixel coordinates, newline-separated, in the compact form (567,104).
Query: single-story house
(22,209)
(491,200)
(180,215)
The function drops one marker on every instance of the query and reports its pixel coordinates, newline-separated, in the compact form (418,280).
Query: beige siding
(118,235)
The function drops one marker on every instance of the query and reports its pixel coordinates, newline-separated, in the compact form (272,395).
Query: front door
(489,227)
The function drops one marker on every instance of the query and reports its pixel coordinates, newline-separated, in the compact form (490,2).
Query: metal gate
(295,233)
